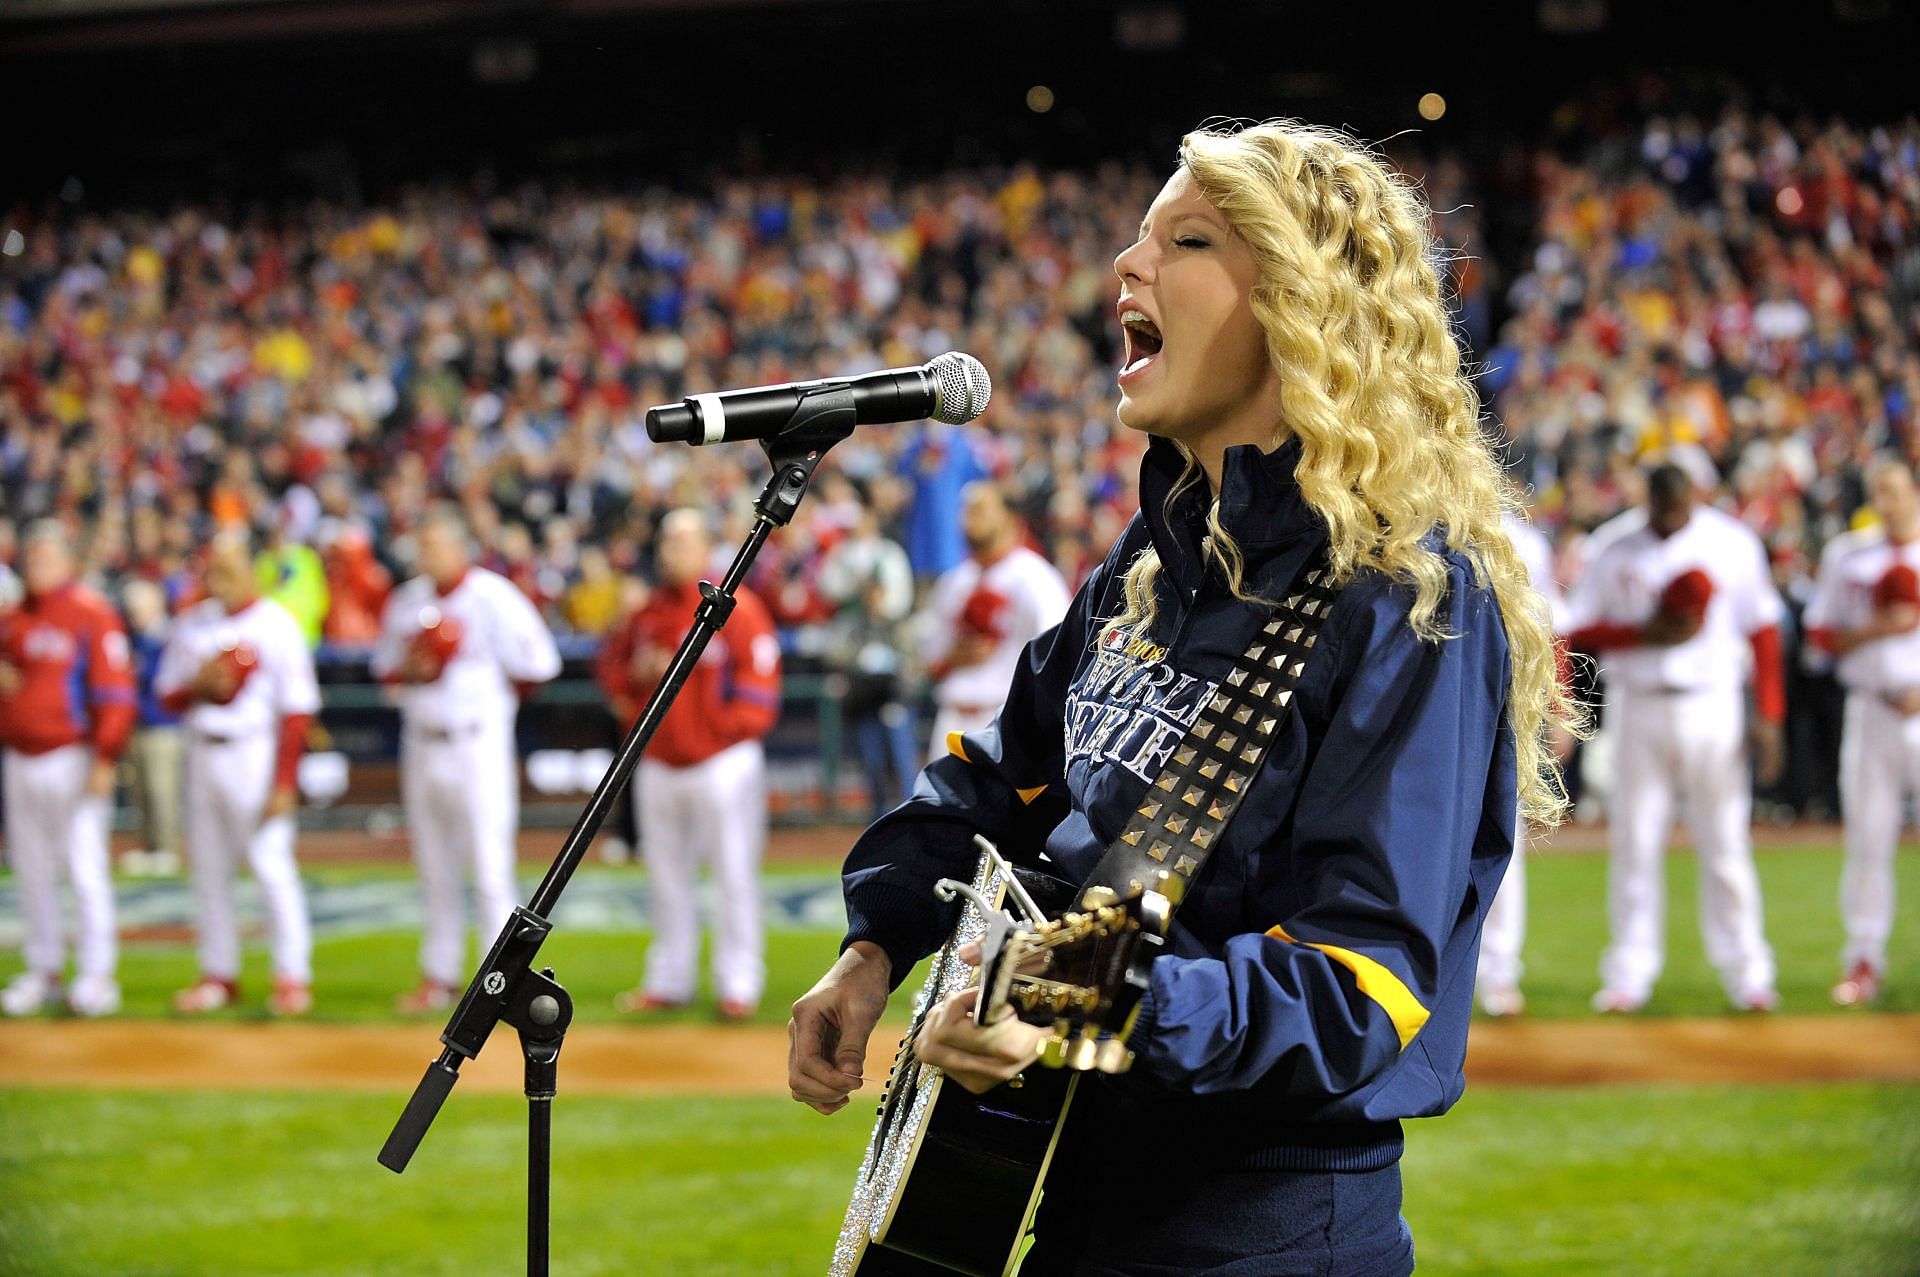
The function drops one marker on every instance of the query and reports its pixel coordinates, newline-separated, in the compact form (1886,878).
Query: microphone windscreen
(673,423)
(961,387)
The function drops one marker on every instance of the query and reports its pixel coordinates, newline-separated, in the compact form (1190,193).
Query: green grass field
(357,976)
(1779,1180)
(1787,1179)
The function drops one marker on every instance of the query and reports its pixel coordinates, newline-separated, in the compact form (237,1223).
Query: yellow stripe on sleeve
(1374,980)
(957,746)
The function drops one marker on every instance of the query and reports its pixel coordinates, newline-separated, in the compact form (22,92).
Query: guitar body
(974,1180)
(951,1179)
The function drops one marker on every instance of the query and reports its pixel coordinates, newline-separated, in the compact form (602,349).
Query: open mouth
(1143,341)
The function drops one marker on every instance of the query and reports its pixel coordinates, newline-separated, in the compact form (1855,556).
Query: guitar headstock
(1081,974)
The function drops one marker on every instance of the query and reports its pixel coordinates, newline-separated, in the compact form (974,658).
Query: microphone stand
(506,988)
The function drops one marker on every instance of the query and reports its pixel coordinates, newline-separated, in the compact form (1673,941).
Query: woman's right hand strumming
(827,1036)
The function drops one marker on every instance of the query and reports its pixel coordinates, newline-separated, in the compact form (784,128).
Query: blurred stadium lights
(14,244)
(1432,106)
(1039,99)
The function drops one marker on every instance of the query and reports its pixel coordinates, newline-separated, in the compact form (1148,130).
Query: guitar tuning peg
(1083,1050)
(1098,897)
(1053,1051)
(1113,1057)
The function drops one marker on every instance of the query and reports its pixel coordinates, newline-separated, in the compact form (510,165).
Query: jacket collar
(1261,508)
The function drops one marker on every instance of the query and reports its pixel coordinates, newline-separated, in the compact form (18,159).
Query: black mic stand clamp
(506,987)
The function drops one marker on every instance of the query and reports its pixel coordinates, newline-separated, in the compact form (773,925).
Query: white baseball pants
(1505,929)
(229,780)
(716,809)
(52,822)
(1879,766)
(461,789)
(1684,750)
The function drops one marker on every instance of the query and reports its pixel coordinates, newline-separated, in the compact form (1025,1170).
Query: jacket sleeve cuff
(904,923)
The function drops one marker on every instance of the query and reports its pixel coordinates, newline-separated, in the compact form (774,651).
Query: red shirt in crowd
(358,587)
(733,694)
(76,681)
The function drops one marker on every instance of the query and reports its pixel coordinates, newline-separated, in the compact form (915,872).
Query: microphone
(954,388)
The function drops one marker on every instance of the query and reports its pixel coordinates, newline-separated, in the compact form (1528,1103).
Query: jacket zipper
(1191,605)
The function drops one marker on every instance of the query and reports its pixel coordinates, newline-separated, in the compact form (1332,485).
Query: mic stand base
(541,1020)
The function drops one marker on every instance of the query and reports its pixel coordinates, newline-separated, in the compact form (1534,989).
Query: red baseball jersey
(733,694)
(76,680)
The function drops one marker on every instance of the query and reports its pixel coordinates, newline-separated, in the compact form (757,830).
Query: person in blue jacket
(1287,348)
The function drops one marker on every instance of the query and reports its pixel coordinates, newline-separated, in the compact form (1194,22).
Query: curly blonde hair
(1350,298)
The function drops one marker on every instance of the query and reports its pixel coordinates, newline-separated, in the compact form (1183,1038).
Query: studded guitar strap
(1171,834)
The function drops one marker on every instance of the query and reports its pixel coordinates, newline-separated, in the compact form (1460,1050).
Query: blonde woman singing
(1288,350)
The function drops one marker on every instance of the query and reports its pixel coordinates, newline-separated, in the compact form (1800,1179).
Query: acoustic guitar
(1081,973)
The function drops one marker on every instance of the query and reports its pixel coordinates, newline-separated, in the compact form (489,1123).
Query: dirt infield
(751,1060)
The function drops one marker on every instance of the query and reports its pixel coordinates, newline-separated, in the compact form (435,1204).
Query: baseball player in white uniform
(985,612)
(1505,930)
(237,668)
(461,645)
(1865,611)
(1680,610)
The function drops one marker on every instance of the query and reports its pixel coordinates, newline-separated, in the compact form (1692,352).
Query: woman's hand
(977,1058)
(827,1036)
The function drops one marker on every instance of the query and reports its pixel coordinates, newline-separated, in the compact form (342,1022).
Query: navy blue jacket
(1319,980)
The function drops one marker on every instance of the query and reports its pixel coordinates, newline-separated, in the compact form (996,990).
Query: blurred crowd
(1736,293)
(322,373)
